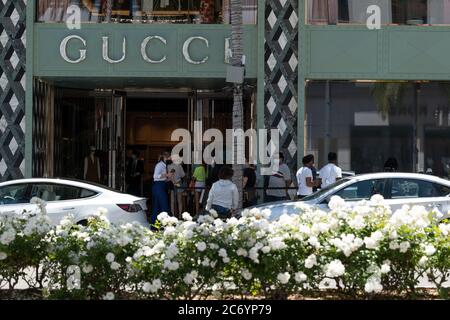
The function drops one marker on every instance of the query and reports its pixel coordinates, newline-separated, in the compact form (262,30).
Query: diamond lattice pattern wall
(281,75)
(12,89)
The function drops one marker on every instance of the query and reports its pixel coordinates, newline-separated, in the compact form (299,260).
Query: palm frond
(387,94)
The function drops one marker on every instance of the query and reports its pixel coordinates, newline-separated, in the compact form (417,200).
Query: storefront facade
(313,70)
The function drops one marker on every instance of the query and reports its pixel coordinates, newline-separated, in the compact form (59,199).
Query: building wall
(12,89)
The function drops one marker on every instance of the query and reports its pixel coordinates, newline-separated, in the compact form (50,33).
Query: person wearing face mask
(160,197)
(279,181)
(91,167)
(176,201)
(305,178)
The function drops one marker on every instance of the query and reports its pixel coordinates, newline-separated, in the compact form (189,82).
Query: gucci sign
(145,48)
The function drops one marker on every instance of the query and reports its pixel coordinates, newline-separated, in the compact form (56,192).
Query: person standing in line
(199,176)
(279,182)
(305,178)
(160,199)
(223,196)
(176,202)
(249,185)
(330,173)
(135,171)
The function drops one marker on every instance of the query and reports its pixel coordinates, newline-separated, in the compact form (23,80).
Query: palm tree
(108,10)
(238,113)
(387,94)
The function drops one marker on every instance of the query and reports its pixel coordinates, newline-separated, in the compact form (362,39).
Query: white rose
(311,261)
(108,296)
(146,287)
(283,277)
(186,216)
(404,246)
(336,203)
(242,252)
(334,269)
(385,268)
(423,261)
(444,228)
(157,284)
(223,253)
(377,199)
(115,265)
(265,249)
(110,257)
(88,268)
(430,250)
(393,245)
(201,246)
(300,277)
(246,274)
(373,285)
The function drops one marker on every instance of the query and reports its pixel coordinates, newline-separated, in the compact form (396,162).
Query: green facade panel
(391,53)
(49,62)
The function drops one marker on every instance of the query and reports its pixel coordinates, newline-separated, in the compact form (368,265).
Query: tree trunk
(108,10)
(238,112)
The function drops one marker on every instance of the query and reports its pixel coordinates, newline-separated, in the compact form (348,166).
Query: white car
(71,196)
(397,189)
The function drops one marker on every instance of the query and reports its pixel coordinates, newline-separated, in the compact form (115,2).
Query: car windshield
(323,191)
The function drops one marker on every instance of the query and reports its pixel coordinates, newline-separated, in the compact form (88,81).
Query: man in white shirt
(330,173)
(305,177)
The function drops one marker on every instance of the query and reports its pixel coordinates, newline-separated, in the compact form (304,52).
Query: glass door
(116,142)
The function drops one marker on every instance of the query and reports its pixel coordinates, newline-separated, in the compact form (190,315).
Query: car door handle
(66,209)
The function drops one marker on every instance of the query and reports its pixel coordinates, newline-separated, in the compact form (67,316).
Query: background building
(313,70)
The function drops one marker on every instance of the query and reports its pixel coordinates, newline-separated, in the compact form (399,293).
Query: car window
(59,192)
(441,190)
(412,188)
(362,190)
(323,191)
(14,194)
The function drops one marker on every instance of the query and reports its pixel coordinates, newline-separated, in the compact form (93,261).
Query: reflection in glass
(403,12)
(365,133)
(147,11)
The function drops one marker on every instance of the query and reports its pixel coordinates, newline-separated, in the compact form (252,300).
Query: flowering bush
(23,246)
(360,250)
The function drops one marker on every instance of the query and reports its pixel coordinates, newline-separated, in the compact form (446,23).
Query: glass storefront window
(147,11)
(350,119)
(401,12)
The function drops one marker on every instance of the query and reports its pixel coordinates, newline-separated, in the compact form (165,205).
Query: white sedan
(71,196)
(397,189)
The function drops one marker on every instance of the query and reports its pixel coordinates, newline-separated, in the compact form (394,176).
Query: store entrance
(119,123)
(152,117)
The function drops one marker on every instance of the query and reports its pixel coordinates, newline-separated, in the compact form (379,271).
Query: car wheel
(83,223)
